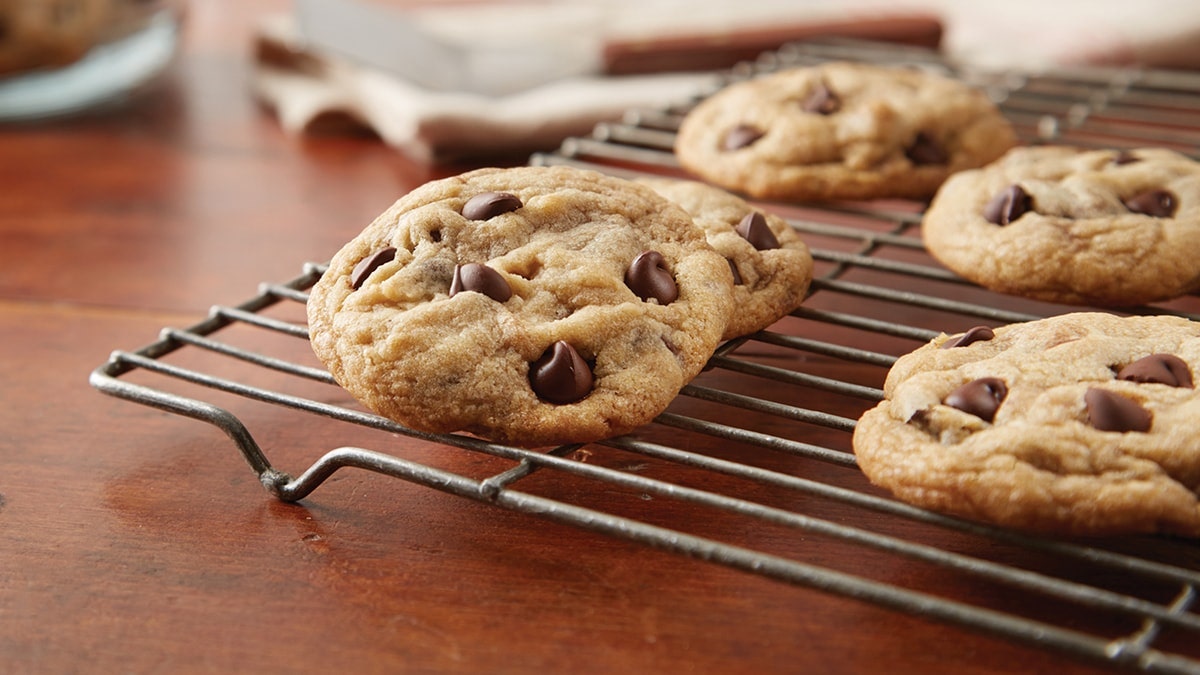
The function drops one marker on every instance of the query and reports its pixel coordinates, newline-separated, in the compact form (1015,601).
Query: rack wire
(779,486)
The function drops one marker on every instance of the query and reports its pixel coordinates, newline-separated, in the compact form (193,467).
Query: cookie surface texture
(773,265)
(841,131)
(1081,424)
(1073,226)
(501,302)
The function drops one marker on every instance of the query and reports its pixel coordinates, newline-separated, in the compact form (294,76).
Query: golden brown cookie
(50,33)
(841,131)
(1081,424)
(533,306)
(771,264)
(1097,227)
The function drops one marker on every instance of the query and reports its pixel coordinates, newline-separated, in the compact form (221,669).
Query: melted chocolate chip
(561,375)
(1165,369)
(481,279)
(822,101)
(980,398)
(1125,157)
(740,136)
(486,205)
(1157,203)
(369,264)
(649,277)
(1012,203)
(755,230)
(737,276)
(1108,411)
(976,334)
(925,150)
(920,418)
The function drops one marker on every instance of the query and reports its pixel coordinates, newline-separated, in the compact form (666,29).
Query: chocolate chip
(741,136)
(1108,411)
(561,375)
(822,101)
(486,205)
(920,418)
(481,279)
(1157,203)
(976,334)
(1012,203)
(649,277)
(925,150)
(369,264)
(1158,369)
(980,398)
(737,276)
(1125,157)
(755,230)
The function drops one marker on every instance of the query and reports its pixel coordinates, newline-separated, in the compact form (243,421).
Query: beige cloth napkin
(305,88)
(1038,34)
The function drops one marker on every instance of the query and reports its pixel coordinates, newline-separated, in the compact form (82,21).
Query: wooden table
(138,541)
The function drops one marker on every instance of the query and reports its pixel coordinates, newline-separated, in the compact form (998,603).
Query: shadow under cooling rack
(775,491)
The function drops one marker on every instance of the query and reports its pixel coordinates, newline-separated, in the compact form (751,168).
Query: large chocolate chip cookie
(531,306)
(1098,227)
(1083,424)
(841,131)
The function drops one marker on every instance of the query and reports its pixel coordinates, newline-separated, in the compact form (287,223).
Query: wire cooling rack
(776,484)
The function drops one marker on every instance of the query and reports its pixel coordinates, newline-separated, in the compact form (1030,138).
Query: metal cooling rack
(781,405)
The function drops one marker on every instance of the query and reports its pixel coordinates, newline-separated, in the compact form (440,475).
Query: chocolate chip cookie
(532,306)
(1082,424)
(841,131)
(771,265)
(1075,226)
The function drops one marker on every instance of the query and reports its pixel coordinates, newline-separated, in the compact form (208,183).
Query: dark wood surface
(135,541)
